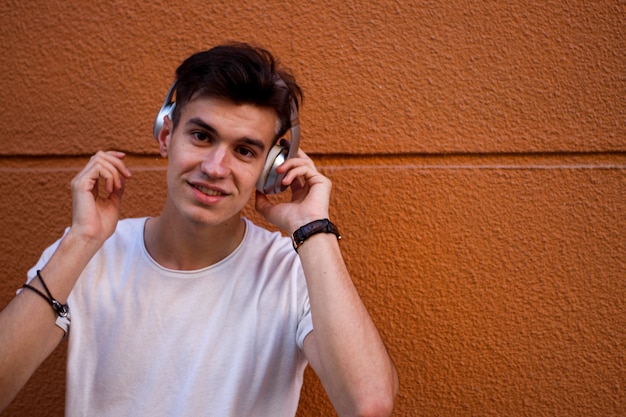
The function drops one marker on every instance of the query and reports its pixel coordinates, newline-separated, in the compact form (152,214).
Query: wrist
(300,235)
(295,224)
(88,244)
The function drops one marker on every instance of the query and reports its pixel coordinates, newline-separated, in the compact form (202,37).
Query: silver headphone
(270,182)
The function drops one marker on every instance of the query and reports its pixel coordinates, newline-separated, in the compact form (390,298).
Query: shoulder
(130,226)
(121,252)
(127,230)
(260,235)
(267,244)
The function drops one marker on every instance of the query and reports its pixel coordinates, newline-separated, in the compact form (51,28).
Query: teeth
(208,191)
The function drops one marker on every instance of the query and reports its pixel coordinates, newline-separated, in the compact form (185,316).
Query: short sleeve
(305,323)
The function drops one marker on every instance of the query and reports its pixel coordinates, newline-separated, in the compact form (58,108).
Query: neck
(185,246)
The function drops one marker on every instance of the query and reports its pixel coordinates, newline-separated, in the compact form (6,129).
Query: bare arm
(27,325)
(344,349)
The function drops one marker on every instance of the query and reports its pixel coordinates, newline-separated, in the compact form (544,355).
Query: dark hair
(242,74)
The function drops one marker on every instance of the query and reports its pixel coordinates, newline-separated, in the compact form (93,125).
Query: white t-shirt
(225,340)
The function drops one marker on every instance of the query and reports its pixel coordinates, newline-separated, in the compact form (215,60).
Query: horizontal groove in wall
(600,160)
(604,160)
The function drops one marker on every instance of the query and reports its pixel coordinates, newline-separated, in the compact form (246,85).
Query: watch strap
(310,229)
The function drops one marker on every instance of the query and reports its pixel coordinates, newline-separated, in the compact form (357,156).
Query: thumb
(262,204)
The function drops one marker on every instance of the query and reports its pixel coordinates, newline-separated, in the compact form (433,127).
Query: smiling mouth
(207,191)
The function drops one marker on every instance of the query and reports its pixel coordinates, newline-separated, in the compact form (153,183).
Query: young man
(198,311)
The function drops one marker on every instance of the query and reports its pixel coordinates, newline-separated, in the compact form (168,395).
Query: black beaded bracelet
(61,310)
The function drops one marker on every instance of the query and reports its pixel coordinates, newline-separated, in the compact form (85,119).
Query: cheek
(172,177)
(181,159)
(255,172)
(247,178)
(177,166)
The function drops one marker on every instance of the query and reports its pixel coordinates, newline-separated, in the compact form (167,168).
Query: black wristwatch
(310,229)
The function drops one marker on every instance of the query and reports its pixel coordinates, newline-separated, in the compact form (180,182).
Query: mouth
(208,191)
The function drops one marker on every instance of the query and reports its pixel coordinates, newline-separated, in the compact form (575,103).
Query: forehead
(222,109)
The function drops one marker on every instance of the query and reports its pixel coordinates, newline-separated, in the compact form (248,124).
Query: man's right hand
(96,196)
(27,324)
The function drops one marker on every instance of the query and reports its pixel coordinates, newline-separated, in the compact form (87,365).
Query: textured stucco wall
(477,151)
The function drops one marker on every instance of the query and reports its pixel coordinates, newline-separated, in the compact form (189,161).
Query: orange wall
(478,155)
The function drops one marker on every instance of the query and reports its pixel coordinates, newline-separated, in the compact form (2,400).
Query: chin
(204,217)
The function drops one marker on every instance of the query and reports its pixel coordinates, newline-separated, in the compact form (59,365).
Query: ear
(165,136)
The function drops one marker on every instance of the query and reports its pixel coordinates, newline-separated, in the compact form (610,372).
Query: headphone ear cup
(166,110)
(270,181)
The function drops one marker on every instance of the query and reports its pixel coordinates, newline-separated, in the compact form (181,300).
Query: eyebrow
(204,125)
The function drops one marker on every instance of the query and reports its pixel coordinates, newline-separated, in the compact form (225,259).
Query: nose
(215,163)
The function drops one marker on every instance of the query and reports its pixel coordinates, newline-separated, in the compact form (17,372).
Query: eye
(245,152)
(200,136)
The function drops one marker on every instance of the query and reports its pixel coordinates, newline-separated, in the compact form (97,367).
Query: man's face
(215,156)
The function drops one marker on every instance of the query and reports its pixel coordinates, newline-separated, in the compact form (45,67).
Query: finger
(112,181)
(116,195)
(294,163)
(115,158)
(94,176)
(302,172)
(109,167)
(105,175)
(302,154)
